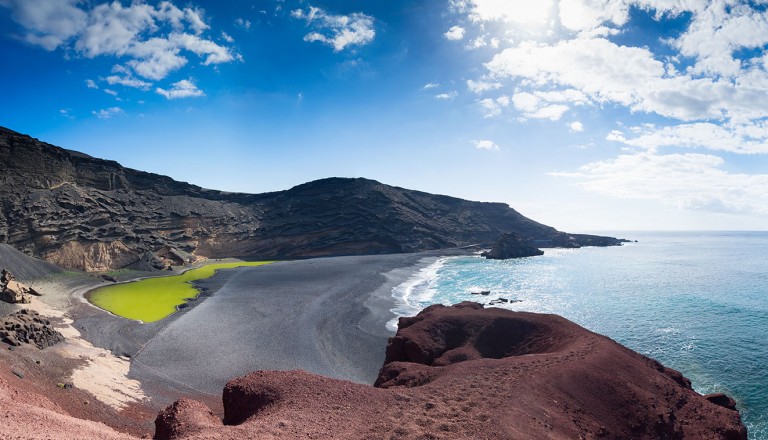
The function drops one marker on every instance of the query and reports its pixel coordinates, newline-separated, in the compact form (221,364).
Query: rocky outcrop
(14,292)
(92,214)
(184,417)
(469,372)
(510,245)
(28,327)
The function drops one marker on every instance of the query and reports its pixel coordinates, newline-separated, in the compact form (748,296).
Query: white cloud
(428,86)
(227,37)
(154,39)
(127,81)
(631,76)
(535,107)
(243,24)
(718,31)
(337,31)
(686,181)
(455,33)
(48,23)
(529,12)
(576,126)
(493,107)
(108,112)
(482,86)
(91,84)
(742,139)
(182,89)
(110,92)
(485,145)
(447,96)
(585,15)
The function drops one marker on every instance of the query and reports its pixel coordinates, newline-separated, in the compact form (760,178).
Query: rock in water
(511,245)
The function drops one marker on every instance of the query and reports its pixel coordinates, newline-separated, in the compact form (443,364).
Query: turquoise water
(697,302)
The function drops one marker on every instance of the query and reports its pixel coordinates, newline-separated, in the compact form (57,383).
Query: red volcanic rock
(468,372)
(183,418)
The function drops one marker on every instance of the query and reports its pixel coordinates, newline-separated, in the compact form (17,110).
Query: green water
(153,299)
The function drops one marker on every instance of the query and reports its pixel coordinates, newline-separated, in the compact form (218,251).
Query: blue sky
(582,114)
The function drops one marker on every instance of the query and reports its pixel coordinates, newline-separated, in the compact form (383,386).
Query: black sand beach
(327,316)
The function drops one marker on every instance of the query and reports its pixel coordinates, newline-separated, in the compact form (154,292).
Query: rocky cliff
(91,214)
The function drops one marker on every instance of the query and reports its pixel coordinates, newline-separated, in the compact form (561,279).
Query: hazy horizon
(618,115)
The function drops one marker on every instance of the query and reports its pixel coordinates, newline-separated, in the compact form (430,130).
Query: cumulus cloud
(455,33)
(91,84)
(108,112)
(482,86)
(156,40)
(493,107)
(485,145)
(576,126)
(182,89)
(428,86)
(742,139)
(720,30)
(337,31)
(686,181)
(48,23)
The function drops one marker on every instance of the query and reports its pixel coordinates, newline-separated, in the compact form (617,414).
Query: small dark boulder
(511,245)
(721,400)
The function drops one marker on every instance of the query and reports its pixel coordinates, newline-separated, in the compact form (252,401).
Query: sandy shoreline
(326,315)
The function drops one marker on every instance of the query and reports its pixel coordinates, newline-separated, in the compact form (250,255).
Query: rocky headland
(91,214)
(468,372)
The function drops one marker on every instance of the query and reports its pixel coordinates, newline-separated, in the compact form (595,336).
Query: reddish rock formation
(469,372)
(183,418)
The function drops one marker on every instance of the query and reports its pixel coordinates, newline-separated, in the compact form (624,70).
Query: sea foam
(416,290)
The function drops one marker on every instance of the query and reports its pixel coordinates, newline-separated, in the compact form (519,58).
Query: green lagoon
(153,299)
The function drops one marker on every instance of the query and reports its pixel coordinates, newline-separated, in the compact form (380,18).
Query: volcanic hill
(91,214)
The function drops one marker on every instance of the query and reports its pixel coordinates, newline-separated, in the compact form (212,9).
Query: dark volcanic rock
(28,327)
(85,213)
(469,372)
(510,245)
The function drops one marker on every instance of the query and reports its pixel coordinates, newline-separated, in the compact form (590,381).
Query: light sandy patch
(104,375)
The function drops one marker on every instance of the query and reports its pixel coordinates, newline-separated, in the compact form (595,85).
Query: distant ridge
(93,214)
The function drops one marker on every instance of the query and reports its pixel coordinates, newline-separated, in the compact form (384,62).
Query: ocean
(695,301)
